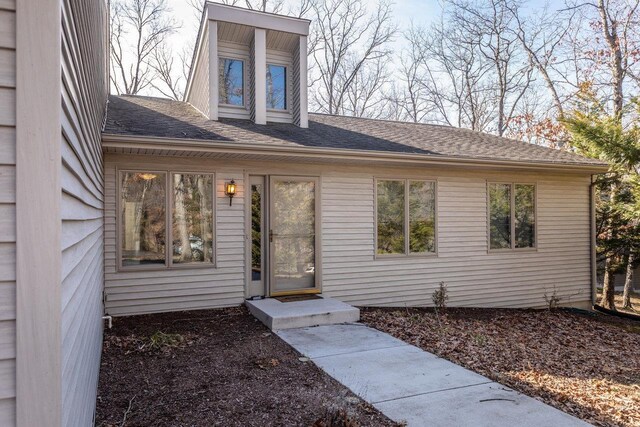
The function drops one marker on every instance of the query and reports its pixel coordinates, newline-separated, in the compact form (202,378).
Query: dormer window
(250,65)
(231,81)
(276,87)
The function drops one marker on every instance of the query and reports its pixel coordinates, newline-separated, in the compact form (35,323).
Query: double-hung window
(405,217)
(166,219)
(512,216)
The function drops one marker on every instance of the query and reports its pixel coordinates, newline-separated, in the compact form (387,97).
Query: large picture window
(148,200)
(406,217)
(231,81)
(512,216)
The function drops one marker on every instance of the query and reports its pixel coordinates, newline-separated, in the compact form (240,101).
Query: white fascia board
(159,144)
(253,18)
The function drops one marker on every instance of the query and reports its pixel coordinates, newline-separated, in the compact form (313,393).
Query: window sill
(512,250)
(405,256)
(144,268)
(235,107)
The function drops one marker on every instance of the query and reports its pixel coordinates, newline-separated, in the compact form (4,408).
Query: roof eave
(116,141)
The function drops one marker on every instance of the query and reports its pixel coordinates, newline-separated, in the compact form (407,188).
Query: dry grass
(582,364)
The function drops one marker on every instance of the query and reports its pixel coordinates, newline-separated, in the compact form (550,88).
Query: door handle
(270,236)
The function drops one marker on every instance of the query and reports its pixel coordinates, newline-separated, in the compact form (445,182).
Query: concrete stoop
(278,315)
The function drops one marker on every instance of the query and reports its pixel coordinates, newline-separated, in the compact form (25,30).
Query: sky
(405,12)
(421,12)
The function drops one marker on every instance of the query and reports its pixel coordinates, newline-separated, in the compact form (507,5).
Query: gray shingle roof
(157,117)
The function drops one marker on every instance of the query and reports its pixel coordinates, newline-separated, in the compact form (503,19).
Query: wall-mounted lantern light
(230,190)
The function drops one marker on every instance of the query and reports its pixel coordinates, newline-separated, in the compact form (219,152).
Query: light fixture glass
(230,190)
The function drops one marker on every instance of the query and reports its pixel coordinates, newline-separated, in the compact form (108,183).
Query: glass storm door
(292,235)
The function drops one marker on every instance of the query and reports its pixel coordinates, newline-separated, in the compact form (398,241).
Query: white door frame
(317,258)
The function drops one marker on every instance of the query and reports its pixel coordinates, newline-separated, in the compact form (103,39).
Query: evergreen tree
(616,140)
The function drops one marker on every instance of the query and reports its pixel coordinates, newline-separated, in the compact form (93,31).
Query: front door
(292,235)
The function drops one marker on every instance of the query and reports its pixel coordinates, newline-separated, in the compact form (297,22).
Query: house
(53,95)
(238,192)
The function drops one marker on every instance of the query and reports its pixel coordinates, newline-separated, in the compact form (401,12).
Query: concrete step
(278,315)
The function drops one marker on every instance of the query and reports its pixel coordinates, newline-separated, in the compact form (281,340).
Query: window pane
(500,216)
(142,206)
(276,87)
(525,212)
(390,217)
(231,81)
(422,216)
(192,218)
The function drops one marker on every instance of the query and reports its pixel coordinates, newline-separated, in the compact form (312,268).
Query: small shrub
(440,298)
(160,340)
(553,300)
(479,339)
(338,418)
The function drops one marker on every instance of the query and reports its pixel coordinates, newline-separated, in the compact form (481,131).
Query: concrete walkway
(408,384)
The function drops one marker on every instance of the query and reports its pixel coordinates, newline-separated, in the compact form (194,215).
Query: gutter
(114,141)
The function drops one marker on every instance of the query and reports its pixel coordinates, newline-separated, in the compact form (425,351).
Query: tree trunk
(181,218)
(608,287)
(628,282)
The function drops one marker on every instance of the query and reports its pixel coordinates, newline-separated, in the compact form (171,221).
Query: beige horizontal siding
(199,93)
(83,105)
(350,270)
(474,276)
(7,214)
(156,290)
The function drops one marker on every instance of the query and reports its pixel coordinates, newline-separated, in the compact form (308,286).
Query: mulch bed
(585,364)
(216,367)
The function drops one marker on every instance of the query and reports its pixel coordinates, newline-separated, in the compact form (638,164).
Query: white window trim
(245,77)
(168,262)
(287,88)
(407,253)
(512,217)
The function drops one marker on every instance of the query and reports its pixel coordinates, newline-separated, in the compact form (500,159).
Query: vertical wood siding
(350,270)
(252,80)
(83,106)
(295,84)
(199,94)
(7,214)
(157,290)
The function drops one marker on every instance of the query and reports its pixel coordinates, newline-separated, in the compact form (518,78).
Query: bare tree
(362,96)
(350,42)
(409,100)
(607,40)
(168,80)
(445,77)
(491,23)
(138,28)
(272,6)
(541,36)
